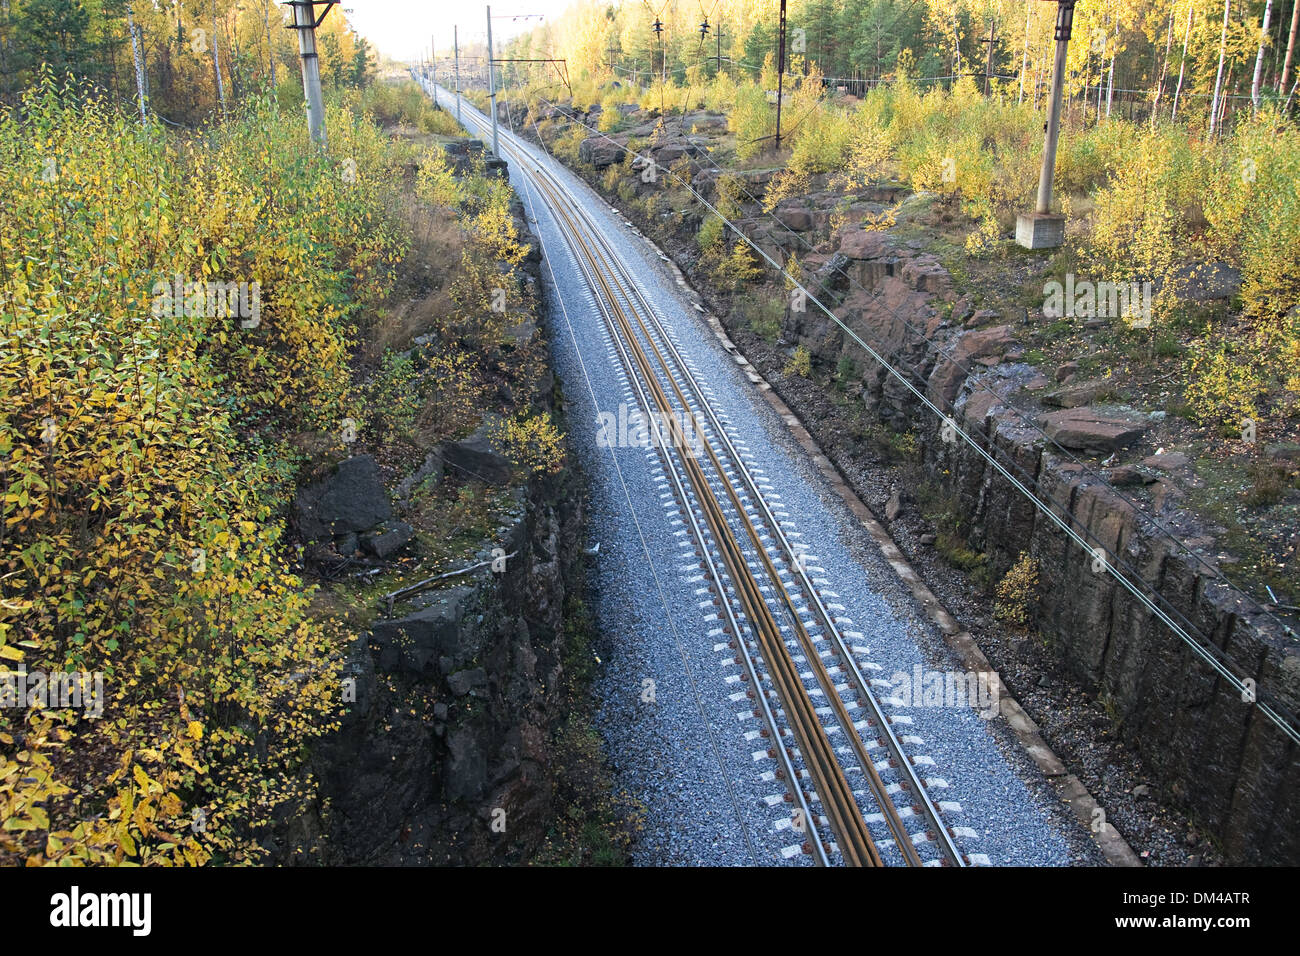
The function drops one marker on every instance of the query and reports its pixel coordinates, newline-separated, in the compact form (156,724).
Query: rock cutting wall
(1216,754)
(456,699)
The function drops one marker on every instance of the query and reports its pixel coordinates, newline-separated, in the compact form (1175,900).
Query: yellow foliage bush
(720,95)
(142,473)
(405,102)
(709,236)
(531,441)
(435,183)
(737,268)
(868,151)
(1225,380)
(1253,211)
(753,120)
(566,145)
(1017,593)
(800,363)
(1144,216)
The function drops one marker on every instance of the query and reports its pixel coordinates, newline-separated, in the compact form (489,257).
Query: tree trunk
(1218,76)
(1101,72)
(1259,56)
(4,56)
(1182,64)
(216,63)
(1110,82)
(270,47)
(237,76)
(1024,57)
(956,39)
(1284,84)
(1164,69)
(1226,98)
(138,57)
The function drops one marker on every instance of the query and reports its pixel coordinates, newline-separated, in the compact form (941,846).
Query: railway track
(856,797)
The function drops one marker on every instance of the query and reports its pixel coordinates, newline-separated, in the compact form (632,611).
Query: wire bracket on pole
(328,4)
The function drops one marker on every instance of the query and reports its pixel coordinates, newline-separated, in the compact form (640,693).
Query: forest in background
(1155,190)
(187,59)
(1143,54)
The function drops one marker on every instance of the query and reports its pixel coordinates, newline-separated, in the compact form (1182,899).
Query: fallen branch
(418,586)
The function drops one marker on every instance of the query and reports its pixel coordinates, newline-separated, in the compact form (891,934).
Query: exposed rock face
(600,152)
(415,644)
(798,218)
(351,499)
(464,154)
(1217,756)
(1075,395)
(969,347)
(477,457)
(388,540)
(1087,430)
(862,244)
(455,701)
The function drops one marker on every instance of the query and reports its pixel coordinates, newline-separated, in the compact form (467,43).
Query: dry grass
(422,283)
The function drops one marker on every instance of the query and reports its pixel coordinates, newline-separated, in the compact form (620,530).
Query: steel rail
(818,751)
(734,629)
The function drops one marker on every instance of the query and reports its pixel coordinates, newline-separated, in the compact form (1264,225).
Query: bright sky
(403,29)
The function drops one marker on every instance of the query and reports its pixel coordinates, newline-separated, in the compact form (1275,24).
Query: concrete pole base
(1040,230)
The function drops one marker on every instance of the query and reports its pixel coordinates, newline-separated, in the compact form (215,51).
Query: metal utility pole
(1040,229)
(1064,23)
(455,43)
(492,87)
(988,69)
(663,57)
(704,35)
(663,63)
(305,23)
(780,72)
